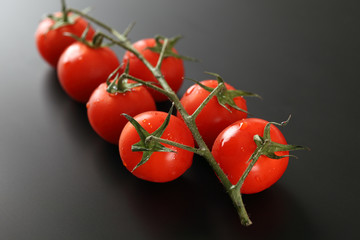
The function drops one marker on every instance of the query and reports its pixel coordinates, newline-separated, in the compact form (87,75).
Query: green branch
(162,54)
(175,144)
(207,99)
(145,83)
(122,41)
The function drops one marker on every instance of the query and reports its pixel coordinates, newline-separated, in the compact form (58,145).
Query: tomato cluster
(88,73)
(83,70)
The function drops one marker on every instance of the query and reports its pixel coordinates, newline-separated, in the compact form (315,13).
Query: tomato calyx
(119,84)
(147,144)
(225,96)
(63,20)
(97,41)
(66,17)
(268,148)
(158,48)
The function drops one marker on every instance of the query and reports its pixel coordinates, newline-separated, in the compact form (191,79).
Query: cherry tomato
(233,148)
(213,118)
(162,166)
(172,68)
(81,69)
(104,110)
(52,42)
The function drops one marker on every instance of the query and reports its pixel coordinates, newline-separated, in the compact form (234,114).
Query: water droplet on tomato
(243,125)
(190,90)
(229,133)
(222,142)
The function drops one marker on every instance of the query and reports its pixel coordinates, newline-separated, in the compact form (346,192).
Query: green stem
(147,84)
(64,10)
(101,24)
(207,99)
(161,57)
(253,159)
(124,44)
(236,197)
(128,29)
(189,120)
(175,144)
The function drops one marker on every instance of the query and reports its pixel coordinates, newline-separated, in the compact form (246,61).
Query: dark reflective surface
(59,180)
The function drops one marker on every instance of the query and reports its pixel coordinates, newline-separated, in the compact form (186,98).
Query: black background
(59,180)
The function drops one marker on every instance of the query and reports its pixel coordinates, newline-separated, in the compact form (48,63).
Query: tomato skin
(233,148)
(213,118)
(172,68)
(51,43)
(162,166)
(81,69)
(105,110)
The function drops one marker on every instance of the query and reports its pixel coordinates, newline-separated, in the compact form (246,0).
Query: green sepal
(226,97)
(97,40)
(168,51)
(128,29)
(119,84)
(148,147)
(65,18)
(77,38)
(266,147)
(61,21)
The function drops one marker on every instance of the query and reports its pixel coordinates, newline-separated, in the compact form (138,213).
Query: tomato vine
(265,145)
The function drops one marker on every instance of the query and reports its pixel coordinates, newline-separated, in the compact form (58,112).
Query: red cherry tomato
(213,118)
(104,110)
(162,166)
(52,42)
(172,68)
(233,148)
(81,69)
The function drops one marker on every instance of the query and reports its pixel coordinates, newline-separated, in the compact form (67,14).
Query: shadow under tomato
(277,215)
(52,88)
(71,114)
(195,206)
(164,106)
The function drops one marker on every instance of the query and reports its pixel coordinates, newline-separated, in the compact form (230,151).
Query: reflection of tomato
(172,68)
(104,110)
(214,117)
(233,148)
(81,69)
(162,166)
(52,42)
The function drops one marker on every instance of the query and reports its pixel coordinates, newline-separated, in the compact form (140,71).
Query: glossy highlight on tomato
(233,148)
(51,43)
(213,118)
(172,68)
(105,110)
(162,166)
(81,69)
